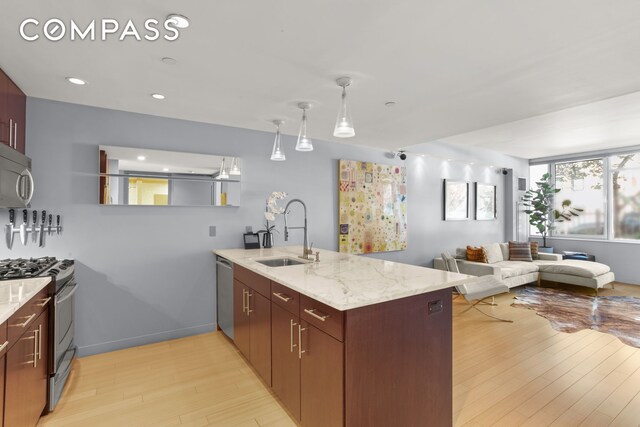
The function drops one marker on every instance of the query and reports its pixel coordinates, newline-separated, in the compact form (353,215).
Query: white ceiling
(451,66)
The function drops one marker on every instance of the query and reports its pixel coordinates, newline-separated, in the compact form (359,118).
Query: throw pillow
(476,254)
(534,250)
(520,251)
(493,253)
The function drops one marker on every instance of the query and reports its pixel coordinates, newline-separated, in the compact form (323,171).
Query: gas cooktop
(22,268)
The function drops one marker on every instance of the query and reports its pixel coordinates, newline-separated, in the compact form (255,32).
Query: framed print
(456,200)
(485,202)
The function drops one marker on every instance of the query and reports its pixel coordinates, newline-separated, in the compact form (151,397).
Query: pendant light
(304,143)
(235,169)
(223,172)
(344,124)
(277,154)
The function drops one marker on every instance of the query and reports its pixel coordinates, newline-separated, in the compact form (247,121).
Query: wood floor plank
(525,373)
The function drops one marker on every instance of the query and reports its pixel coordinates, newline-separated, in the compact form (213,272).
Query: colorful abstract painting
(372,207)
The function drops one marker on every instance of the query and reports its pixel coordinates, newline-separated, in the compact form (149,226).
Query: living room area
(550,333)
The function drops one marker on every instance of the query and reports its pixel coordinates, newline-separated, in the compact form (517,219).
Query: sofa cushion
(520,251)
(573,267)
(461,253)
(516,268)
(493,253)
(505,251)
(476,254)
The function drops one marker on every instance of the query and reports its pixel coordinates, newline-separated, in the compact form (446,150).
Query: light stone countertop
(345,281)
(15,293)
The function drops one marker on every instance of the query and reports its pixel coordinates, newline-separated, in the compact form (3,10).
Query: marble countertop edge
(345,281)
(9,304)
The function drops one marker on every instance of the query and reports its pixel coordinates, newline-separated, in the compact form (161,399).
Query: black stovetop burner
(24,268)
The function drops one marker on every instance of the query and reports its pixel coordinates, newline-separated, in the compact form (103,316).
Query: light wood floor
(523,373)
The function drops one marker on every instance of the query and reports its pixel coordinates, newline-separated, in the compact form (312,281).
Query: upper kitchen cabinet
(13,114)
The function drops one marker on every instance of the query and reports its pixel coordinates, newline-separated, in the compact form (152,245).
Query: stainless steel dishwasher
(224,280)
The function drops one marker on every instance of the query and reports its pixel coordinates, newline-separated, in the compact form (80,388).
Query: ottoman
(593,275)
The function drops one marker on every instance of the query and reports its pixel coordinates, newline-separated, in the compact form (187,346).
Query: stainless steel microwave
(16,181)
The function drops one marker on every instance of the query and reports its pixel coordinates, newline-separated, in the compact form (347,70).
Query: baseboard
(108,346)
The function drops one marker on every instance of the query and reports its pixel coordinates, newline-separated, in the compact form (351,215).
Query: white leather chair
(478,289)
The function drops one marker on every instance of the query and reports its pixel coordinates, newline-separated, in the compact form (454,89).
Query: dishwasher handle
(224,263)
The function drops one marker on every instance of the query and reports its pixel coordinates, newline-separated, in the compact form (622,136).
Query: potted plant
(270,213)
(542,214)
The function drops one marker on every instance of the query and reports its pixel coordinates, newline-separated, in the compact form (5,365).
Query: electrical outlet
(248,229)
(212,231)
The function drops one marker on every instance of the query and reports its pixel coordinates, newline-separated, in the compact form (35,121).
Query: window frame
(609,234)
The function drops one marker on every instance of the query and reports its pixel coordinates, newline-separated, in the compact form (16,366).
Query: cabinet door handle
(300,350)
(35,348)
(312,312)
(11,133)
(44,302)
(3,346)
(26,322)
(244,301)
(40,341)
(285,298)
(15,135)
(249,311)
(290,335)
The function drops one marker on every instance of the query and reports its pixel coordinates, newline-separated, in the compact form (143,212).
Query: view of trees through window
(587,184)
(625,180)
(582,183)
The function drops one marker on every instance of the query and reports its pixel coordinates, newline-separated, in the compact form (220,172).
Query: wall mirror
(143,177)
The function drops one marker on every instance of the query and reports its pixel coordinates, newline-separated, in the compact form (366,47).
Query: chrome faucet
(306,251)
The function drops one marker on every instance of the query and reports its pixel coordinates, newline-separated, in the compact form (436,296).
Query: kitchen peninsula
(348,340)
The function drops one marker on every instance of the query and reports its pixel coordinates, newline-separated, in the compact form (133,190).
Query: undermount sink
(280,262)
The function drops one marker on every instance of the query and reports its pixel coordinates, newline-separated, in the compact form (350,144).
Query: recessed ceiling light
(165,169)
(76,81)
(169,61)
(141,158)
(181,21)
(157,96)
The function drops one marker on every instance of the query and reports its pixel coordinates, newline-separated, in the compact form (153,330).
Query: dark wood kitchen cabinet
(307,363)
(285,363)
(379,365)
(252,320)
(27,360)
(13,114)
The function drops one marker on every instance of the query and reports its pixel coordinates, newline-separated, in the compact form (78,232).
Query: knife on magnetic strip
(44,217)
(34,233)
(8,229)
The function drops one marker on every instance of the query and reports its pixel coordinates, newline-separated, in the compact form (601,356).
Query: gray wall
(147,273)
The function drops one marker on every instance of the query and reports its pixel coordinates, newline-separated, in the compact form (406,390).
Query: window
(581,185)
(606,188)
(625,196)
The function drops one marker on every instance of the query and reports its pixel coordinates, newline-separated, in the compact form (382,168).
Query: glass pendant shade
(223,171)
(277,154)
(344,123)
(235,169)
(304,143)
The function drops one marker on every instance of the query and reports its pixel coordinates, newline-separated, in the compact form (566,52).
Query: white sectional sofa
(549,267)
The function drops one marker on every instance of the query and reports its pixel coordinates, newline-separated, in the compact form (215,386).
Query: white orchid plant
(272,210)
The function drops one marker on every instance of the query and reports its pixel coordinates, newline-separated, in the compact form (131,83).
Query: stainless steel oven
(63,346)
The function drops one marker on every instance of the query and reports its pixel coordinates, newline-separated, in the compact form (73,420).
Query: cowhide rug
(570,312)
